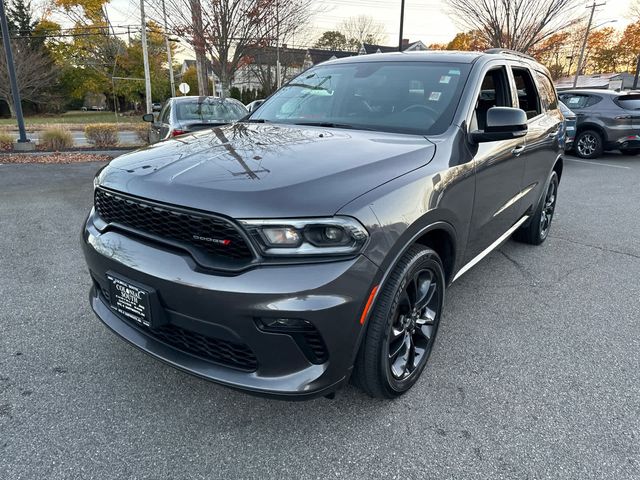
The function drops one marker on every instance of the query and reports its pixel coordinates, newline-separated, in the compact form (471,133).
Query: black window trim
(524,66)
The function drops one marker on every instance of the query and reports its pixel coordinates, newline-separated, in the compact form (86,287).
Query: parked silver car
(607,120)
(182,115)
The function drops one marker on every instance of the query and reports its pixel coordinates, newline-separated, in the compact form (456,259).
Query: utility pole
(278,78)
(401,26)
(635,79)
(23,141)
(145,54)
(584,42)
(169,59)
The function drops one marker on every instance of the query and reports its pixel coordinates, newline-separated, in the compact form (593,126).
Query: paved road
(536,373)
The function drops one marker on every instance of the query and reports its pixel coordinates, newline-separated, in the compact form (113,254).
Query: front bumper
(330,296)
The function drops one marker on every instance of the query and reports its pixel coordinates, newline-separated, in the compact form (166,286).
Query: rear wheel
(589,144)
(537,230)
(403,325)
(630,151)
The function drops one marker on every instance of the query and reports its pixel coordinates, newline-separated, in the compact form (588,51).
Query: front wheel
(402,327)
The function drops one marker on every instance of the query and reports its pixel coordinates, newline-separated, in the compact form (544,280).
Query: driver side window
(494,92)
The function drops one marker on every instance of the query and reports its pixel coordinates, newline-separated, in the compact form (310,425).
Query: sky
(425,20)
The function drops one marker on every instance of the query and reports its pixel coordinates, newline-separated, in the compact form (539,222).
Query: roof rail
(510,52)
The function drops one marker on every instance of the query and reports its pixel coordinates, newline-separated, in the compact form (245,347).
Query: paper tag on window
(454,72)
(574,100)
(445,79)
(435,96)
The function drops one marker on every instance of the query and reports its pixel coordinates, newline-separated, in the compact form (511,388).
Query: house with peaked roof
(407,46)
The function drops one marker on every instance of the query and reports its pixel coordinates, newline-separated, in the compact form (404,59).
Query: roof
(596,80)
(368,48)
(318,55)
(267,55)
(594,91)
(424,56)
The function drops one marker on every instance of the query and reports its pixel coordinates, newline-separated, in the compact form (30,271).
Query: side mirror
(255,105)
(148,117)
(503,123)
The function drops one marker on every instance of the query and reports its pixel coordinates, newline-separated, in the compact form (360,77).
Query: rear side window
(547,91)
(576,100)
(527,94)
(629,102)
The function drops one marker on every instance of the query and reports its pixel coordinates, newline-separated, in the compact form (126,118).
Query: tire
(589,144)
(630,151)
(398,324)
(537,230)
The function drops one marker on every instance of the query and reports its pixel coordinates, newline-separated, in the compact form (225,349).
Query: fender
(396,253)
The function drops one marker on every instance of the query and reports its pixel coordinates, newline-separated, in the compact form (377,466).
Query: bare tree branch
(515,24)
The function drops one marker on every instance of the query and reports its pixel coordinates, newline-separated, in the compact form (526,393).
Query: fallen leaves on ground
(60,157)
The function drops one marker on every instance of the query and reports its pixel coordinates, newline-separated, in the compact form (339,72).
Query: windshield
(223,111)
(405,97)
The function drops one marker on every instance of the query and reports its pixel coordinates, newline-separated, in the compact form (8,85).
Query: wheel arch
(592,126)
(558,167)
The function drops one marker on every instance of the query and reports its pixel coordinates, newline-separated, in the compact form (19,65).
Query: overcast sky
(425,20)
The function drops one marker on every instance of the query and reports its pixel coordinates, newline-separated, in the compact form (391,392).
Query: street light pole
(15,91)
(401,26)
(145,54)
(278,77)
(169,59)
(584,42)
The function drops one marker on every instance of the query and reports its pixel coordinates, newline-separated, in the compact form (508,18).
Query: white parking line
(598,163)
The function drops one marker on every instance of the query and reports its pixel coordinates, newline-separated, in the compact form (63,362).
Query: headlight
(312,236)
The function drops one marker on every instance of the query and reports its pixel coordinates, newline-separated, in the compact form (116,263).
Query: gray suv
(312,242)
(606,120)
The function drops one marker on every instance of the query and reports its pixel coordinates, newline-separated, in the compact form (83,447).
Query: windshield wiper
(332,125)
(310,87)
(255,120)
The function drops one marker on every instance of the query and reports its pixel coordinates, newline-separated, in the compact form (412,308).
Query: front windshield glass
(405,97)
(210,111)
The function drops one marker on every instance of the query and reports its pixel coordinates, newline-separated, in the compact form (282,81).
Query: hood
(266,170)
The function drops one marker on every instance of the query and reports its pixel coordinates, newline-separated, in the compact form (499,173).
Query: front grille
(213,349)
(213,236)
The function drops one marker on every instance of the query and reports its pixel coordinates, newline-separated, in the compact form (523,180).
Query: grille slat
(223,240)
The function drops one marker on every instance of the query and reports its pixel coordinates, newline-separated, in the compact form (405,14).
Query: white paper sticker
(435,96)
(574,100)
(445,79)
(454,72)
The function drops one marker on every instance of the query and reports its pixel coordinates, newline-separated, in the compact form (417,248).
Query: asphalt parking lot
(536,373)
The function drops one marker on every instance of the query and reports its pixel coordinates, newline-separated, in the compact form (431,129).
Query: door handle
(518,150)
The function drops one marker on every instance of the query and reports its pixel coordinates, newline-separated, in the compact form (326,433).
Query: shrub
(6,141)
(56,138)
(102,134)
(142,132)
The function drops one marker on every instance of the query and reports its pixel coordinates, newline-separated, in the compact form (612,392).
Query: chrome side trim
(515,199)
(490,248)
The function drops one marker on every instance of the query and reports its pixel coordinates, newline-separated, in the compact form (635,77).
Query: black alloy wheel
(403,324)
(548,208)
(412,329)
(588,144)
(537,229)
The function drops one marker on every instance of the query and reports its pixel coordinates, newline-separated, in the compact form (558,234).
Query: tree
(514,24)
(35,73)
(362,29)
(231,27)
(332,40)
(629,46)
(634,10)
(470,41)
